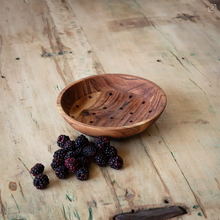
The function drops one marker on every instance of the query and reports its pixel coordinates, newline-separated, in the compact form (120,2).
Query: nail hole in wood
(158,60)
(77,106)
(110,93)
(111,117)
(183,58)
(104,107)
(91,122)
(143,102)
(130,96)
(72,116)
(132,211)
(131,113)
(150,111)
(90,96)
(94,113)
(121,108)
(17,58)
(70,51)
(131,121)
(166,201)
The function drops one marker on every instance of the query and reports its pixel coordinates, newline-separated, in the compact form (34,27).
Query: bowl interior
(113,100)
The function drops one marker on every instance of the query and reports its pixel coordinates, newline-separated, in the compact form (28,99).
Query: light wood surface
(46,45)
(112,105)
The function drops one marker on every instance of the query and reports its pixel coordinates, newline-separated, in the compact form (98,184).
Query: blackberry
(110,151)
(41,181)
(116,162)
(102,142)
(78,151)
(83,161)
(101,159)
(56,163)
(72,164)
(82,174)
(61,172)
(59,154)
(69,146)
(89,150)
(70,154)
(37,169)
(61,140)
(81,141)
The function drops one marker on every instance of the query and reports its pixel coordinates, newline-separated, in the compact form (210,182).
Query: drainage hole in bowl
(150,111)
(143,102)
(104,107)
(77,106)
(130,96)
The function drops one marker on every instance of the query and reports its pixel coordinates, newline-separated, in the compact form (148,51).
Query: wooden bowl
(113,105)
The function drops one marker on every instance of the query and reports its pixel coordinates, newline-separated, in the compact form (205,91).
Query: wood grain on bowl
(115,105)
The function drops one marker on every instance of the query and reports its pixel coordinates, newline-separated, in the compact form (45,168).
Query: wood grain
(114,105)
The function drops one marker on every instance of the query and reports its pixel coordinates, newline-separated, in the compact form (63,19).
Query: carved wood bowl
(113,105)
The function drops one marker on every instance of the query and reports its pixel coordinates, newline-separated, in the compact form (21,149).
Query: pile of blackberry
(76,156)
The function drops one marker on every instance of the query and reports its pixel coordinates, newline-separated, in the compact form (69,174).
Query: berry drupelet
(110,151)
(61,172)
(90,150)
(116,162)
(101,159)
(41,181)
(102,142)
(37,169)
(81,141)
(82,173)
(61,140)
(72,164)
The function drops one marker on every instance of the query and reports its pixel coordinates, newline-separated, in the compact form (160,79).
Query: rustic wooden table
(45,45)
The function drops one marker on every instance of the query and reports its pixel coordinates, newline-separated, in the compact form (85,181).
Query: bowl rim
(75,122)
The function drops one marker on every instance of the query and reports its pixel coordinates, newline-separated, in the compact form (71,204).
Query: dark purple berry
(37,169)
(59,154)
(82,173)
(116,162)
(41,181)
(110,151)
(81,141)
(56,163)
(70,154)
(83,161)
(61,172)
(69,146)
(72,164)
(102,142)
(101,159)
(89,151)
(61,140)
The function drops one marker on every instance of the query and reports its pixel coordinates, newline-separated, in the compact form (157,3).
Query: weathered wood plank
(45,46)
